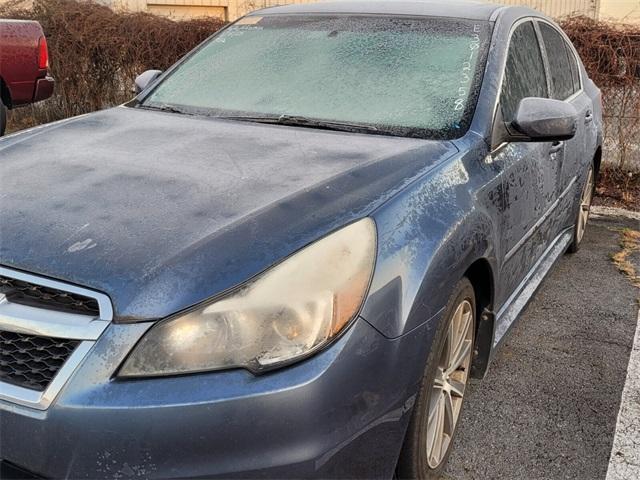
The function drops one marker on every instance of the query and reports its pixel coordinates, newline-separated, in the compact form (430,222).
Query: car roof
(468,9)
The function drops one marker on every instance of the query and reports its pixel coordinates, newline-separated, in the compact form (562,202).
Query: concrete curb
(615,212)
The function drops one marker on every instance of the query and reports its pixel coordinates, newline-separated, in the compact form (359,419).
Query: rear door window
(524,73)
(562,63)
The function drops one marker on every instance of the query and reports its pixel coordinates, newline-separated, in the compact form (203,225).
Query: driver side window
(524,72)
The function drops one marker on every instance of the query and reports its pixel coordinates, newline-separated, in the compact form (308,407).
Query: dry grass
(630,244)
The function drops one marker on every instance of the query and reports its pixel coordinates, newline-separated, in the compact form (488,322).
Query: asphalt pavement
(548,407)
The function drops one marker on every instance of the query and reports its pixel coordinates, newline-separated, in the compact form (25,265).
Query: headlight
(286,313)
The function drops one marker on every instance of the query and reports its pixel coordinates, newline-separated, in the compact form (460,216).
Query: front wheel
(439,404)
(3,118)
(584,211)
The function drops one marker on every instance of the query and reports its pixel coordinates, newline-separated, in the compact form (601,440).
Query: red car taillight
(43,54)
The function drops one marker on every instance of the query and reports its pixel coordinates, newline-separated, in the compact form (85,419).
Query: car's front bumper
(342,413)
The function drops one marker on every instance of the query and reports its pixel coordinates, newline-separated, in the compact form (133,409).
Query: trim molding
(540,222)
(508,314)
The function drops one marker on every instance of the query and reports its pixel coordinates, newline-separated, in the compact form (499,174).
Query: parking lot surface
(548,407)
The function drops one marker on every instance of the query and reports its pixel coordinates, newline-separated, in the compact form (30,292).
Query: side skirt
(509,313)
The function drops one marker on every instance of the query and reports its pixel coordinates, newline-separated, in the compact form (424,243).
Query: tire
(418,456)
(584,209)
(3,118)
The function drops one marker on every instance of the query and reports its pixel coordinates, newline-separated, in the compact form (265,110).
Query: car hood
(161,211)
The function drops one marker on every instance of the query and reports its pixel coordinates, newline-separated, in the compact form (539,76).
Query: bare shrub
(96,53)
(611,54)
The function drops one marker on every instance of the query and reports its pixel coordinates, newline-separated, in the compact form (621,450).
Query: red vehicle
(24,66)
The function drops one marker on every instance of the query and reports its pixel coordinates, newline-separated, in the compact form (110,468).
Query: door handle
(556,147)
(588,118)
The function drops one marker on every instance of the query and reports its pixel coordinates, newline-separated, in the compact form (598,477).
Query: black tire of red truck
(3,118)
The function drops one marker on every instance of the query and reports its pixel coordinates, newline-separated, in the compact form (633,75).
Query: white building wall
(621,10)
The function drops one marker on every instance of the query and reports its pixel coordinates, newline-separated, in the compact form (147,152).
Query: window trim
(545,59)
(569,45)
(547,74)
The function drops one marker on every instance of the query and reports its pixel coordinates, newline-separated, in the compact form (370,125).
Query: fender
(444,223)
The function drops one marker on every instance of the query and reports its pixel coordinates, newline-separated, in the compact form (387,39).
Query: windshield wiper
(298,121)
(164,108)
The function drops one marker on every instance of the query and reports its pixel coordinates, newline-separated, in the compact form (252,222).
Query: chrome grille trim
(50,323)
(106,311)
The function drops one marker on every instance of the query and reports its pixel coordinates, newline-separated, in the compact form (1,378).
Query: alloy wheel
(585,206)
(450,383)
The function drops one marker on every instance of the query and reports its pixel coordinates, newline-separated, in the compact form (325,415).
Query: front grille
(30,294)
(30,361)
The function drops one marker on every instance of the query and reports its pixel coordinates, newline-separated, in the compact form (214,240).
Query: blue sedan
(288,255)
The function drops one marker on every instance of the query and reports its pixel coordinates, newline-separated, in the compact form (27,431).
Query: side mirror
(145,79)
(545,120)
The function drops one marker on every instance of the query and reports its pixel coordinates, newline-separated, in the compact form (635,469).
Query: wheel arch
(481,276)
(409,291)
(597,161)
